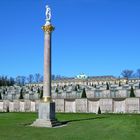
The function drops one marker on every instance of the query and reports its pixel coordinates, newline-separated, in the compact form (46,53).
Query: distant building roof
(102,77)
(81,76)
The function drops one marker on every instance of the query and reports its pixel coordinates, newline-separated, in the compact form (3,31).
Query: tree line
(127,73)
(22,80)
(5,81)
(37,78)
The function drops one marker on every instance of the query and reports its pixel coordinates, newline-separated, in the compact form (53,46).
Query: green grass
(13,126)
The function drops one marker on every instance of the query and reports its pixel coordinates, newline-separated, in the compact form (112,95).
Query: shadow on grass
(85,119)
(69,121)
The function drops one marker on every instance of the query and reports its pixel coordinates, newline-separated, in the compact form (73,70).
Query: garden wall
(116,105)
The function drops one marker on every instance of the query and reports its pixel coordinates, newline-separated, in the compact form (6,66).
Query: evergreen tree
(0,97)
(32,87)
(4,92)
(84,94)
(38,90)
(107,86)
(62,88)
(75,88)
(119,84)
(132,94)
(56,90)
(99,111)
(7,109)
(21,94)
(78,86)
(41,94)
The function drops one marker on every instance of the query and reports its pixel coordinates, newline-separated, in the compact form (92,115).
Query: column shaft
(47,65)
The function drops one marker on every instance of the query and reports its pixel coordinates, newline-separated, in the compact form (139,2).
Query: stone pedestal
(46,116)
(47,111)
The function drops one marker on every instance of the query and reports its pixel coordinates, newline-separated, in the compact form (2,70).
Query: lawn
(14,126)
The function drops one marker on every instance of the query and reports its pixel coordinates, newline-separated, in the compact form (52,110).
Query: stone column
(46,111)
(47,63)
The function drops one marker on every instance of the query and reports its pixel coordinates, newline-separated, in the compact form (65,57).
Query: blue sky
(97,37)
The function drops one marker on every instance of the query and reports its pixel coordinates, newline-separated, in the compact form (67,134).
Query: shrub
(119,84)
(56,90)
(0,97)
(132,94)
(75,88)
(38,90)
(99,111)
(7,109)
(21,94)
(41,94)
(107,86)
(78,86)
(84,94)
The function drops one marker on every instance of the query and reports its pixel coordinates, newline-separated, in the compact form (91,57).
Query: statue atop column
(46,107)
(48,26)
(48,15)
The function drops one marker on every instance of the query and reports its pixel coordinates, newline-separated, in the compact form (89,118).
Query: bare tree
(127,73)
(30,78)
(11,81)
(5,81)
(23,80)
(37,77)
(41,79)
(18,80)
(53,77)
(138,73)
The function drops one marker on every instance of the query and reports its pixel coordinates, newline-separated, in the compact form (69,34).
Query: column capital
(47,99)
(48,28)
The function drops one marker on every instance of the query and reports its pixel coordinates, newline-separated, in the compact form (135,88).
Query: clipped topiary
(119,84)
(132,94)
(84,94)
(0,97)
(107,86)
(7,109)
(78,86)
(38,90)
(99,111)
(56,90)
(41,94)
(21,94)
(75,88)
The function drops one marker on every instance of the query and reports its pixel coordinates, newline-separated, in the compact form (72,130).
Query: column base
(46,123)
(46,116)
